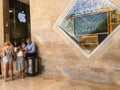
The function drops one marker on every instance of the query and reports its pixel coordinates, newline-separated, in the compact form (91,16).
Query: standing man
(30,48)
(30,51)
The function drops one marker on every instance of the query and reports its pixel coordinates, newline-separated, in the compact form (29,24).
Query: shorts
(7,60)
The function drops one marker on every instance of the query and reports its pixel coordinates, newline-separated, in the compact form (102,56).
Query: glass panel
(19,14)
(89,22)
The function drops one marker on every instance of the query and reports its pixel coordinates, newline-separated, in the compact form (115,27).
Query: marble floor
(45,82)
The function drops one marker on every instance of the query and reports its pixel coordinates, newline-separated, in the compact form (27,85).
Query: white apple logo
(21,17)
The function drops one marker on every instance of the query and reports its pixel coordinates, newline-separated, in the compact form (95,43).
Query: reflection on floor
(45,82)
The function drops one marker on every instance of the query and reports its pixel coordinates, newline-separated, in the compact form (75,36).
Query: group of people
(18,52)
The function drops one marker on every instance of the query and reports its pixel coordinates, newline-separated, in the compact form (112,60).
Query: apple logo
(21,17)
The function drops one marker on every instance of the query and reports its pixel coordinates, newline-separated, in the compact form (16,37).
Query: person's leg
(11,71)
(22,74)
(0,68)
(5,71)
(12,68)
(25,69)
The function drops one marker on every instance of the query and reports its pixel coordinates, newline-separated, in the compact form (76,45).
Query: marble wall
(1,24)
(4,24)
(61,57)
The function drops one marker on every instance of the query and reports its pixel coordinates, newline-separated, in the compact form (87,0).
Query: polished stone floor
(45,82)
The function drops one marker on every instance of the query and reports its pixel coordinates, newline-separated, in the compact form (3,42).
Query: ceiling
(24,1)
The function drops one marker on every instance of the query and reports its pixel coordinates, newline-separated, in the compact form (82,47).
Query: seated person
(30,48)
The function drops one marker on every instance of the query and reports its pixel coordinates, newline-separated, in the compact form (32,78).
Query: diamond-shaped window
(89,22)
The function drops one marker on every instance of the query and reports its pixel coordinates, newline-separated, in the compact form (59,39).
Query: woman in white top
(20,63)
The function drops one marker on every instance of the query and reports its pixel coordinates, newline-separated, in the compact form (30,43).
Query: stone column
(1,24)
(4,21)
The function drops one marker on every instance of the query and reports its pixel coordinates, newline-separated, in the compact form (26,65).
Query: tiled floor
(44,82)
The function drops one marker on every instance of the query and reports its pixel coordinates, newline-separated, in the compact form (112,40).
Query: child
(23,44)
(20,63)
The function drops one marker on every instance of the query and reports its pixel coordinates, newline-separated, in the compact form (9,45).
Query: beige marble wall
(61,57)
(1,23)
(4,24)
(6,20)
